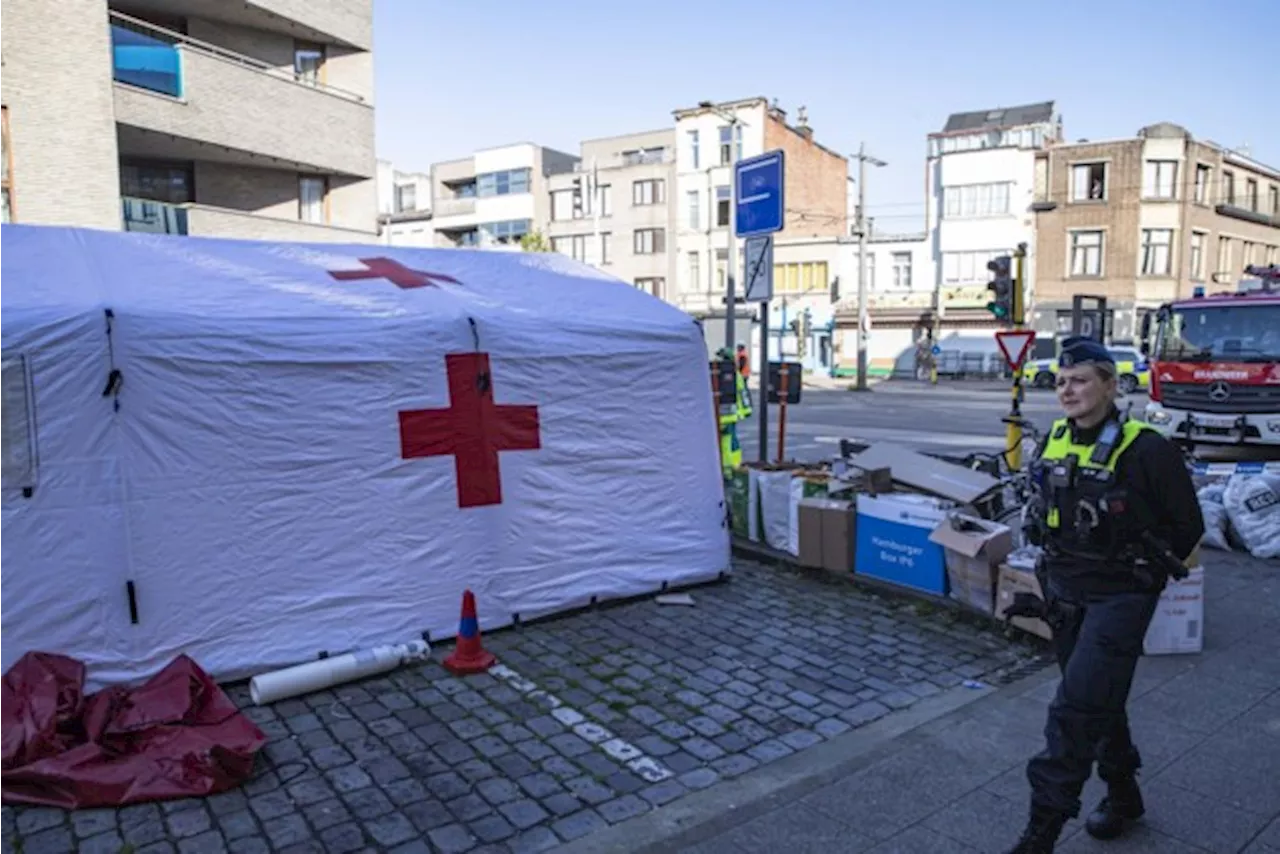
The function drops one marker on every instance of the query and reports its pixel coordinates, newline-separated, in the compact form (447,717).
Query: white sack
(1253,507)
(1215,516)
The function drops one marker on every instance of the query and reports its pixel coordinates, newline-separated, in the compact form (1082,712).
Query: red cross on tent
(401,276)
(473,430)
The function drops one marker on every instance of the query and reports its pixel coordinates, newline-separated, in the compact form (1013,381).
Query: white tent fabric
(267,480)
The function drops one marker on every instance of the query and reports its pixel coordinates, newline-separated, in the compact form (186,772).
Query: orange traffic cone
(469,656)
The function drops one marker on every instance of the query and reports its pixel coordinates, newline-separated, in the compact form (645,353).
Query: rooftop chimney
(802,123)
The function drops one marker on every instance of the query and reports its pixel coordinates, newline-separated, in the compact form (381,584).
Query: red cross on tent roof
(401,276)
(473,430)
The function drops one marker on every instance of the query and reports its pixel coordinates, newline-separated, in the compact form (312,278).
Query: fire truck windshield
(1221,333)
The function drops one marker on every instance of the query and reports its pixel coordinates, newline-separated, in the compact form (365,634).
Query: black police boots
(1042,832)
(1122,805)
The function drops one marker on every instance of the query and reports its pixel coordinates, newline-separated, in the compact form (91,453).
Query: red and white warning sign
(1015,344)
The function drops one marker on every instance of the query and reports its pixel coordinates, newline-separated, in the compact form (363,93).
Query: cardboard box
(827,534)
(893,541)
(1178,624)
(926,474)
(1013,581)
(974,549)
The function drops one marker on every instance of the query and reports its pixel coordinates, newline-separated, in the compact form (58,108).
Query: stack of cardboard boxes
(922,524)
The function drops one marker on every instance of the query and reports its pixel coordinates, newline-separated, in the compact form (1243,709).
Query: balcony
(143,215)
(454,207)
(182,89)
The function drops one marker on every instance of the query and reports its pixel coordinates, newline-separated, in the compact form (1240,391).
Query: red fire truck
(1215,364)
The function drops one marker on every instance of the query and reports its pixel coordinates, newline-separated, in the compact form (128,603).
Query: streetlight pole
(864,313)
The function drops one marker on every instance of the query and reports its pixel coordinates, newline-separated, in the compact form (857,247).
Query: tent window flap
(17,411)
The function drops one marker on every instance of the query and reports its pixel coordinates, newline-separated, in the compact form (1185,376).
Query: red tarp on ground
(176,736)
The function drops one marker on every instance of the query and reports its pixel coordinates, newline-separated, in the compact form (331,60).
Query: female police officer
(1116,514)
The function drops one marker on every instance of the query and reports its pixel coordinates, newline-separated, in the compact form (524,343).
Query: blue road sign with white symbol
(937,351)
(758,204)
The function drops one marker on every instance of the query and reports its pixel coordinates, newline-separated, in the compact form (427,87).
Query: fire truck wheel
(1128,383)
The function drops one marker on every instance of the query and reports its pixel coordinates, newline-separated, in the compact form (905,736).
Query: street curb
(724,806)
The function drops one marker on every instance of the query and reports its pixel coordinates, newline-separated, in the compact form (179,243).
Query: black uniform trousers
(1097,644)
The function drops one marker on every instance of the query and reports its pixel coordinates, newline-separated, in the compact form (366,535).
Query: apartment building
(1144,220)
(495,197)
(251,119)
(980,175)
(613,212)
(708,138)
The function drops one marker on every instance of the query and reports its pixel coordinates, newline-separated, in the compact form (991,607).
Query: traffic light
(1001,286)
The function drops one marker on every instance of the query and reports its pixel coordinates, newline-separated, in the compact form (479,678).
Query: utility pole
(864,313)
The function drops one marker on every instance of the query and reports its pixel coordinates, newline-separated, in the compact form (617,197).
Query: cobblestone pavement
(589,720)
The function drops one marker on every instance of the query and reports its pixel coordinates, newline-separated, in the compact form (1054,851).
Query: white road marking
(593,733)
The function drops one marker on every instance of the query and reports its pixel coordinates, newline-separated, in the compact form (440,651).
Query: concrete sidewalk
(953,780)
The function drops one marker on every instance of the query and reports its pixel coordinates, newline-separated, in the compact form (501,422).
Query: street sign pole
(759,208)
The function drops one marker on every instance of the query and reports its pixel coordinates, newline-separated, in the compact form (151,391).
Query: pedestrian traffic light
(1001,286)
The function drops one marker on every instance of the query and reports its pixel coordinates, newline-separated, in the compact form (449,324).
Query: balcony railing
(153,217)
(149,57)
(454,207)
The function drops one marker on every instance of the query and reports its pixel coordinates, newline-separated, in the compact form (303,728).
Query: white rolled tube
(312,676)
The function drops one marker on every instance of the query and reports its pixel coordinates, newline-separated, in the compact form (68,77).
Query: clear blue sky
(453,77)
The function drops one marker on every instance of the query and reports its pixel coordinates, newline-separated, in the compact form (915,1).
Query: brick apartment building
(1145,220)
(708,137)
(245,119)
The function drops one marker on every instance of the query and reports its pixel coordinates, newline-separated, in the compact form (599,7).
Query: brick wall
(816,182)
(1117,217)
(238,107)
(57,86)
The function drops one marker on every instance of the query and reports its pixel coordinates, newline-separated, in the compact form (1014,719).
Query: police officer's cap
(1079,350)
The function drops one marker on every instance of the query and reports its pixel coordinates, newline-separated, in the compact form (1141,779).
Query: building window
(650,192)
(653,286)
(967,268)
(1157,244)
(694,156)
(606,257)
(1159,179)
(505,183)
(693,204)
(726,143)
(158,181)
(871,271)
(1247,256)
(6,163)
(1224,256)
(1089,182)
(566,205)
(723,200)
(606,199)
(1086,253)
(901,270)
(312,193)
(506,231)
(641,156)
(1202,183)
(1251,194)
(406,198)
(308,63)
(1274,194)
(695,271)
(974,200)
(649,241)
(722,268)
(1228,188)
(804,277)
(1197,255)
